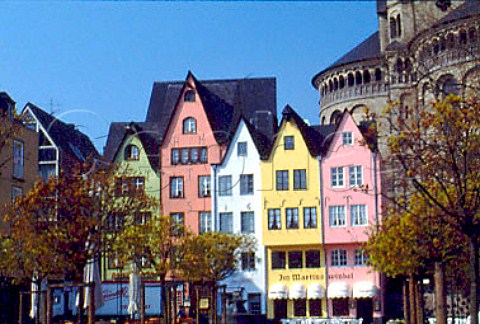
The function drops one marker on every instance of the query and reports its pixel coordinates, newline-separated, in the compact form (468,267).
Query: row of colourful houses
(213,154)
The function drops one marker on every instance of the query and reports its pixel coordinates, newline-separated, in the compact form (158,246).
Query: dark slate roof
(224,101)
(6,103)
(466,10)
(146,132)
(116,133)
(317,138)
(69,140)
(366,50)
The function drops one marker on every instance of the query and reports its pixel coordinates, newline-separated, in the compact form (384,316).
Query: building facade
(351,196)
(237,208)
(18,156)
(292,227)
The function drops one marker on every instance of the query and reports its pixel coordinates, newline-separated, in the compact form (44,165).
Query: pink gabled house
(351,208)
(195,138)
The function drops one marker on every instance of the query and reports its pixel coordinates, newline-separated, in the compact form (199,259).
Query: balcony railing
(354,92)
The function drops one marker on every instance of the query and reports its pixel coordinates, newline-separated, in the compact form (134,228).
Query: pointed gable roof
(145,132)
(224,100)
(68,139)
(316,137)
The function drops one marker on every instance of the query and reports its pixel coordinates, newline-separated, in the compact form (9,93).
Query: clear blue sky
(93,63)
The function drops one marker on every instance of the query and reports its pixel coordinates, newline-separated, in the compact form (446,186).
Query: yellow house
(133,148)
(292,231)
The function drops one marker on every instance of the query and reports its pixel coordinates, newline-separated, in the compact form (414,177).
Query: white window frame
(355,175)
(242,149)
(361,258)
(337,216)
(358,215)
(246,182)
(18,159)
(225,222)
(204,186)
(347,138)
(339,258)
(247,222)
(176,187)
(206,222)
(337,177)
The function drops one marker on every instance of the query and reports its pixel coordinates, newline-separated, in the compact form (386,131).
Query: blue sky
(92,63)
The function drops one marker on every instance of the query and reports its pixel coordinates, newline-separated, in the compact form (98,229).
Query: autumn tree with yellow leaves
(437,152)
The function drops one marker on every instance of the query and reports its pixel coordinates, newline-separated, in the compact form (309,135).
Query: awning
(364,289)
(278,291)
(315,291)
(338,290)
(297,291)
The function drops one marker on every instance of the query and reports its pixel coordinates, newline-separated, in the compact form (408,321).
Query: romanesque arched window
(450,40)
(393,28)
(350,79)
(366,77)
(335,117)
(358,78)
(378,75)
(335,84)
(341,81)
(472,35)
(463,37)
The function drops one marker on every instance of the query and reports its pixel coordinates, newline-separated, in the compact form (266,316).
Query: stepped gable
(316,137)
(69,140)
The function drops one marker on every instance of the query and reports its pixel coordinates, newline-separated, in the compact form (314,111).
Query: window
(274,220)
(177,222)
(246,184)
(291,217)
(339,258)
(278,260)
(17,192)
(242,149)
(358,214)
(45,171)
(176,187)
(347,138)
(300,307)
(340,307)
(175,156)
(361,257)
(225,185)
(312,259)
(337,216)
(289,142)
(315,307)
(189,155)
(131,153)
(115,222)
(355,175)
(189,96)
(204,186)
(282,180)
(255,304)
(189,126)
(18,159)
(295,259)
(142,218)
(280,309)
(206,224)
(185,155)
(247,220)
(226,222)
(114,261)
(337,177)
(309,217)
(299,179)
(203,155)
(129,185)
(248,261)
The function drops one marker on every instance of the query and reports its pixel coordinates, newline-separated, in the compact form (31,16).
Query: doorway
(365,310)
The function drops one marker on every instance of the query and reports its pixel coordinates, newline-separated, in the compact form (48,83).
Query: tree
(160,241)
(57,227)
(438,152)
(212,257)
(412,242)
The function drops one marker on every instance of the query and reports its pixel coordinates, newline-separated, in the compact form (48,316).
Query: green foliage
(60,224)
(213,256)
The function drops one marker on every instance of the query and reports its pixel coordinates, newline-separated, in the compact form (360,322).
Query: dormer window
(189,96)
(189,126)
(131,152)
